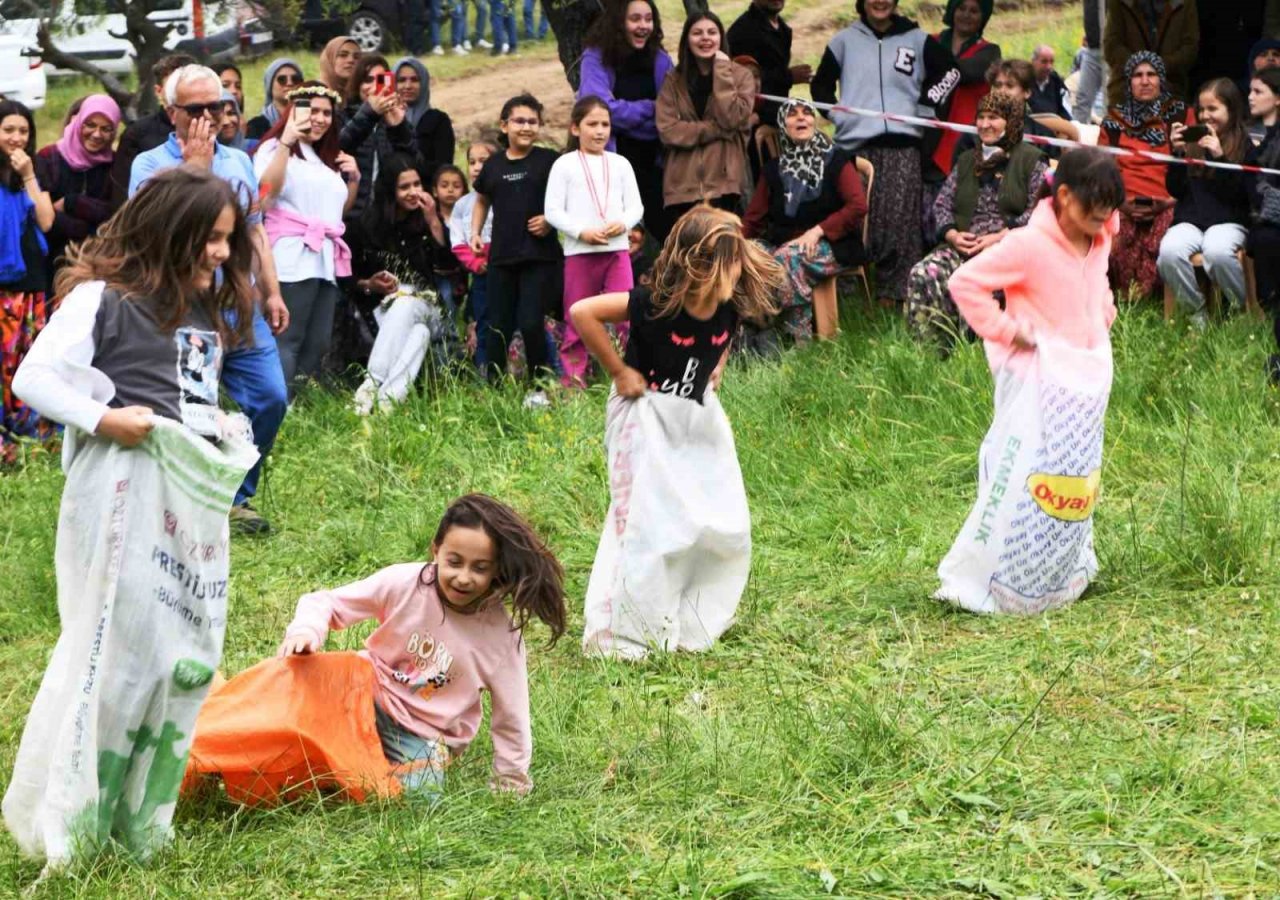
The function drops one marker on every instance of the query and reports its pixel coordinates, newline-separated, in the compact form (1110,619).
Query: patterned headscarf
(801,164)
(999,104)
(1145,121)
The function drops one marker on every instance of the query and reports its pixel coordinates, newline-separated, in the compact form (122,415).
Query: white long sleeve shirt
(578,184)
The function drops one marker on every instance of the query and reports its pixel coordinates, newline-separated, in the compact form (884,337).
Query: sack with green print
(142,561)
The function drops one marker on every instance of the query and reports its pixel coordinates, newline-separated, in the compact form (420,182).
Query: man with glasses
(145,133)
(252,375)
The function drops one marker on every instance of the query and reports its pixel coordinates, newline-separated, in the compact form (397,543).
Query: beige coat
(706,157)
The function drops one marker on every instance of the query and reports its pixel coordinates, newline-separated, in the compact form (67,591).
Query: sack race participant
(676,549)
(1027,545)
(388,719)
(130,364)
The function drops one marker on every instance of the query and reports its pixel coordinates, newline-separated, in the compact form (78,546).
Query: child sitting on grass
(676,549)
(448,630)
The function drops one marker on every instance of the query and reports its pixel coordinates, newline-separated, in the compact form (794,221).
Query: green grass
(847,727)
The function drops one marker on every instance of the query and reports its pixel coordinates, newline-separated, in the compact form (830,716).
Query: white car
(22,76)
(83,29)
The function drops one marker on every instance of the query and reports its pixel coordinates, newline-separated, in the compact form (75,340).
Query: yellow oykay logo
(1066,497)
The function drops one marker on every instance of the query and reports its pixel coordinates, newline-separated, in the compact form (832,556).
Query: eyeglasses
(196,110)
(523,122)
(288,79)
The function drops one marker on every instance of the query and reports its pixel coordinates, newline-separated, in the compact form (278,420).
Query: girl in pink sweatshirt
(448,631)
(1053,272)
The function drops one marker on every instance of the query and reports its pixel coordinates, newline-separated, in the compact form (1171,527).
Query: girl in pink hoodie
(448,631)
(1053,272)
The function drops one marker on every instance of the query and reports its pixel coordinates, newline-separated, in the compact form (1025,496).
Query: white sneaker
(537,400)
(506,48)
(466,45)
(366,395)
(437,51)
(459,50)
(483,44)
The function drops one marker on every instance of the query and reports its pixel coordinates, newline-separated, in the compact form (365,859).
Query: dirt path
(473,100)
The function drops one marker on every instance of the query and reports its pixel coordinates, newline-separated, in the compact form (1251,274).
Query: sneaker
(437,50)
(366,395)
(506,48)
(484,45)
(466,45)
(537,400)
(246,520)
(459,50)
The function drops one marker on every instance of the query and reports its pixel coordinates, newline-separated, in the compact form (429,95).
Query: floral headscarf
(801,164)
(1145,121)
(1004,106)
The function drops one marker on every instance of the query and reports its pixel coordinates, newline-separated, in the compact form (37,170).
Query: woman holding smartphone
(376,126)
(1143,122)
(308,184)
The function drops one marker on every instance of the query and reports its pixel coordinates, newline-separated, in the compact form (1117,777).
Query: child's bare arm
(589,317)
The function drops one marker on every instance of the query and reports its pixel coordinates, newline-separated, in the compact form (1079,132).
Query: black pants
(519,297)
(1264,246)
(415,27)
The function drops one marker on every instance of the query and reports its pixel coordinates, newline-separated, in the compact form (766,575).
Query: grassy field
(849,736)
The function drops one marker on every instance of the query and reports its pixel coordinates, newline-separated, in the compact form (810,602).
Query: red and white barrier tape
(1032,138)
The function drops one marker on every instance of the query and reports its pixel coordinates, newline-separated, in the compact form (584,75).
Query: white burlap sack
(142,554)
(1027,545)
(676,549)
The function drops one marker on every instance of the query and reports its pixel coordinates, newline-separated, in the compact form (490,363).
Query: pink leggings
(586,275)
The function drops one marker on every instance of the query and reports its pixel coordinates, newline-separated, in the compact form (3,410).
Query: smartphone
(386,83)
(1193,133)
(302,112)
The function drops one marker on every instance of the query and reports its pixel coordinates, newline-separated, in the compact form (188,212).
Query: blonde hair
(697,261)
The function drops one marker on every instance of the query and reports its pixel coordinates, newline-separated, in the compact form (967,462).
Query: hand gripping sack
(141,561)
(676,549)
(1027,545)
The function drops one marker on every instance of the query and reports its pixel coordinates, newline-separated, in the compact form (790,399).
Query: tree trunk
(569,21)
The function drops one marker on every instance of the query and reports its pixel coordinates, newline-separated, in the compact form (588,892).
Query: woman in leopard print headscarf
(991,189)
(808,209)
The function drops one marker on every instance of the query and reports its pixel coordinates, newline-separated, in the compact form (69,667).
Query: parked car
(244,39)
(22,75)
(82,28)
(373,24)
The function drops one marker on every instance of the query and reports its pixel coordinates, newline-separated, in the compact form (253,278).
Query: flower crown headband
(315,90)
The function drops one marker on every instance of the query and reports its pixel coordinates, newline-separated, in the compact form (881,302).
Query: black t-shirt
(517,190)
(677,354)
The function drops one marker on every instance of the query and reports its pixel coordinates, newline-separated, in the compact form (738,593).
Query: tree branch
(50,53)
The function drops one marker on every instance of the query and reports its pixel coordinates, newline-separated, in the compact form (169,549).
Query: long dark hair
(12,180)
(327,148)
(528,574)
(1270,156)
(363,65)
(1235,137)
(685,64)
(150,250)
(381,219)
(580,111)
(609,33)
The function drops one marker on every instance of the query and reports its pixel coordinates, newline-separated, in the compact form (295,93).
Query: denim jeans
(503,21)
(457,17)
(482,18)
(528,21)
(253,378)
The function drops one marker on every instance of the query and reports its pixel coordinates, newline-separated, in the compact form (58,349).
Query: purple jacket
(634,118)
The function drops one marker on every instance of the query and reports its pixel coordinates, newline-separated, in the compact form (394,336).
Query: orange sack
(289,725)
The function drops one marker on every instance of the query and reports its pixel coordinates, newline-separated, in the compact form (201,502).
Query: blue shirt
(229,164)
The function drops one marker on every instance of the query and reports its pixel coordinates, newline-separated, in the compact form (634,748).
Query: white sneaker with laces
(466,45)
(483,44)
(437,51)
(459,50)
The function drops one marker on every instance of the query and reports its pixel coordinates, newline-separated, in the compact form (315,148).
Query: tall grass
(848,735)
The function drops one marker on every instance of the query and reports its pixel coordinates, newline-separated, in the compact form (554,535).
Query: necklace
(599,200)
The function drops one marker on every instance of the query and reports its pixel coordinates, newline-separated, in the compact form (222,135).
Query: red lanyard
(598,200)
